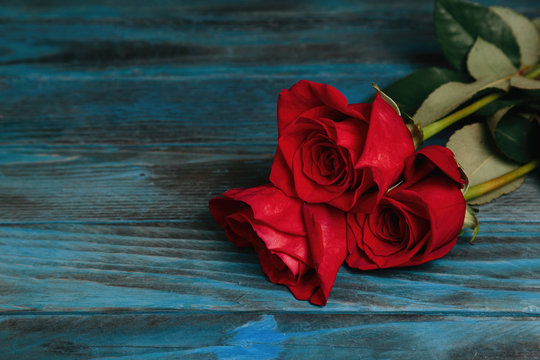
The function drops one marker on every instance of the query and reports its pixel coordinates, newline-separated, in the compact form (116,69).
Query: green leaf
(477,155)
(516,134)
(536,22)
(487,62)
(387,98)
(449,96)
(524,83)
(459,23)
(410,91)
(525,33)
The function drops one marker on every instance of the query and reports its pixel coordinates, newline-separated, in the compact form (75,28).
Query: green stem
(485,187)
(445,122)
(534,73)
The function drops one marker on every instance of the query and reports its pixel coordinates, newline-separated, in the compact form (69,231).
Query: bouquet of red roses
(351,184)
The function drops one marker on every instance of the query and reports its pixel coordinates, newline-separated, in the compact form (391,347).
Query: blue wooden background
(119,120)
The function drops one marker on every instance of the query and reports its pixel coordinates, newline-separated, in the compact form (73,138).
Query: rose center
(393,227)
(330,162)
(325,162)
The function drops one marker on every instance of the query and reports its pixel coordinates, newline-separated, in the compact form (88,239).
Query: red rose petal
(299,245)
(305,95)
(431,158)
(388,143)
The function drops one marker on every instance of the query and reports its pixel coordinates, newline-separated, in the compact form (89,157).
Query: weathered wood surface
(119,121)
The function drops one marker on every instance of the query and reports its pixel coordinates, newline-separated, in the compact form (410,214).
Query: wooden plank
(187,112)
(112,183)
(180,266)
(268,335)
(106,34)
(208,36)
(56,40)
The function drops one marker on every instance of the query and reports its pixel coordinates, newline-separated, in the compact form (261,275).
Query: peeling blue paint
(255,340)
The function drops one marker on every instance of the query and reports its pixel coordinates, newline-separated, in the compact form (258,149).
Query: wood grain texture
(144,266)
(120,120)
(268,335)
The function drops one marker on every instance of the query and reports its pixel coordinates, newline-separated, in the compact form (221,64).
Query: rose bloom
(333,152)
(415,222)
(299,245)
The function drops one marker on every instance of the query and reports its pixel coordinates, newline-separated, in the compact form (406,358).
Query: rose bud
(417,221)
(299,245)
(333,152)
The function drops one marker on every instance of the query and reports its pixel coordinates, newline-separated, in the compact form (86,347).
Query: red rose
(299,245)
(415,222)
(333,152)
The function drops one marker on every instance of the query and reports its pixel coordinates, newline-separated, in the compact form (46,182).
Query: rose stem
(445,122)
(485,187)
